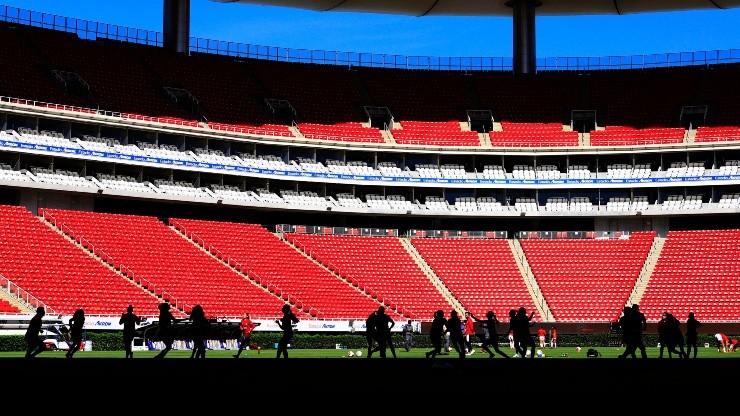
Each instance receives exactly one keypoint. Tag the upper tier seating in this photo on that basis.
(437, 133)
(629, 136)
(717, 134)
(343, 132)
(533, 135)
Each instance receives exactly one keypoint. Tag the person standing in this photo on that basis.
(640, 327)
(513, 340)
(664, 335)
(408, 335)
(129, 320)
(246, 325)
(286, 324)
(371, 335)
(198, 331)
(165, 333)
(692, 332)
(510, 336)
(34, 344)
(553, 337)
(469, 332)
(436, 333)
(490, 334)
(522, 323)
(542, 336)
(383, 325)
(454, 327)
(675, 341)
(76, 324)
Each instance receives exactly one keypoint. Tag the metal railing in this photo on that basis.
(94, 30)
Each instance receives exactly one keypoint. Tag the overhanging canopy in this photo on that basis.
(493, 7)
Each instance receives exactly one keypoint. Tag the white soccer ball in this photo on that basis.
(358, 353)
(540, 354)
(351, 354)
(578, 349)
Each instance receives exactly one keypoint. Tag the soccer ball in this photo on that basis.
(578, 349)
(540, 354)
(351, 354)
(358, 353)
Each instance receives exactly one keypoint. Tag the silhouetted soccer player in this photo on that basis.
(633, 324)
(76, 324)
(521, 324)
(286, 324)
(35, 344)
(165, 333)
(640, 327)
(371, 335)
(454, 327)
(490, 334)
(675, 339)
(518, 351)
(129, 320)
(436, 332)
(383, 326)
(692, 330)
(198, 331)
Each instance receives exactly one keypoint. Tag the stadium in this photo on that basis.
(337, 184)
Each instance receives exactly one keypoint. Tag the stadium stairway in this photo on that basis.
(436, 281)
(647, 271)
(530, 281)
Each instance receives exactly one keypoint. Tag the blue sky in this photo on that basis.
(579, 36)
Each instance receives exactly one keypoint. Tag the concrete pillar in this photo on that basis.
(525, 53)
(176, 25)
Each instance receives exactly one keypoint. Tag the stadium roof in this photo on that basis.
(493, 7)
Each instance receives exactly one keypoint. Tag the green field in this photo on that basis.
(563, 353)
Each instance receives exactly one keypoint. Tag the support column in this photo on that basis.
(176, 25)
(525, 53)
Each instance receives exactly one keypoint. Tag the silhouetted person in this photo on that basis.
(664, 334)
(371, 335)
(628, 334)
(286, 324)
(455, 328)
(383, 325)
(436, 332)
(198, 331)
(518, 351)
(633, 324)
(165, 333)
(129, 320)
(675, 339)
(76, 324)
(34, 343)
(692, 331)
(640, 327)
(490, 334)
(247, 325)
(522, 323)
